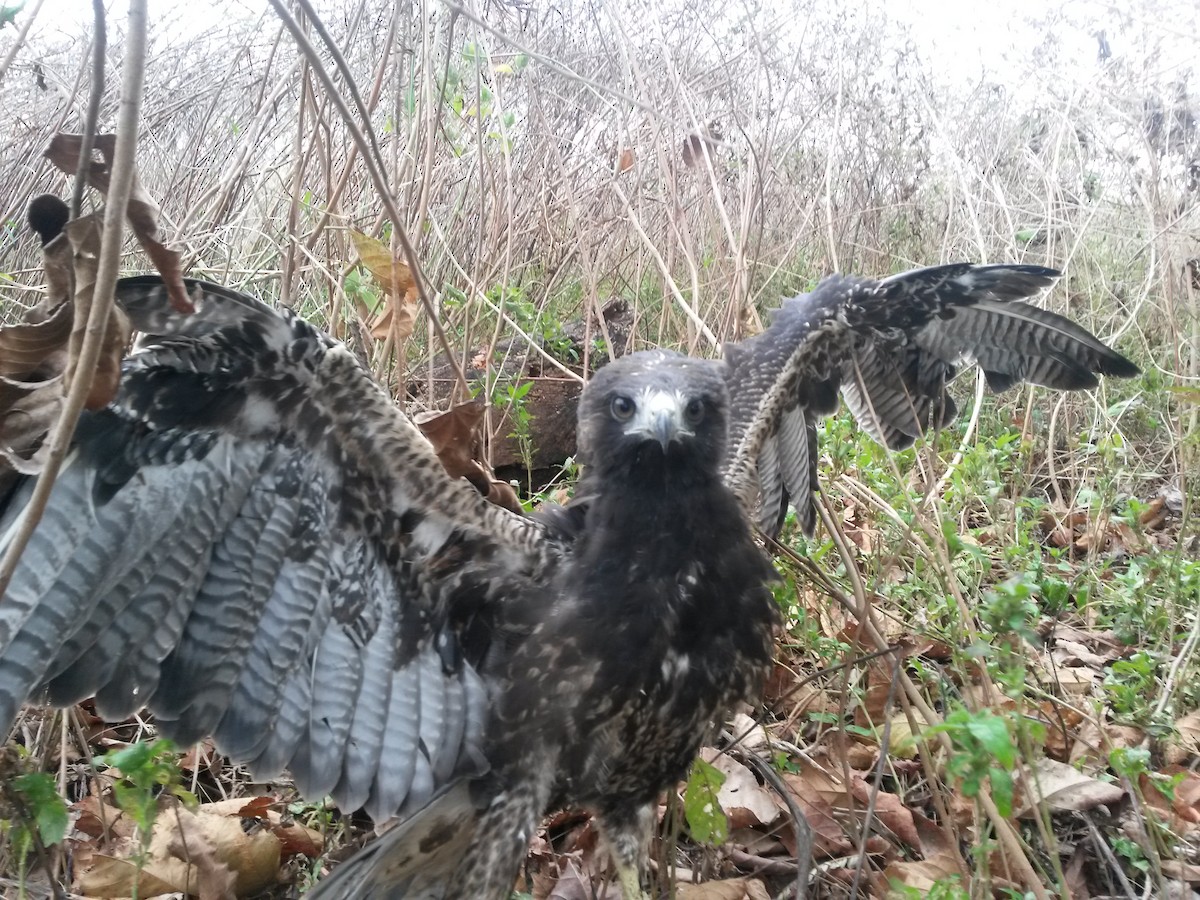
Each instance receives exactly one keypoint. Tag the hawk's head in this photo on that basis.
(651, 408)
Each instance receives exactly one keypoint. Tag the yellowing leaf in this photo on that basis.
(397, 314)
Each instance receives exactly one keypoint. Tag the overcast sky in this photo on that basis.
(964, 41)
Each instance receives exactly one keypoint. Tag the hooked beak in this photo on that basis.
(660, 418)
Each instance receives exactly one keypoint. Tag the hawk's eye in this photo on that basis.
(694, 411)
(622, 408)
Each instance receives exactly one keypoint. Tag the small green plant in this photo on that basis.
(1131, 686)
(706, 820)
(532, 321)
(1010, 608)
(147, 770)
(1132, 853)
(361, 288)
(513, 396)
(38, 816)
(984, 751)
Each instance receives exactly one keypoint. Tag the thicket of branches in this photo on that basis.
(698, 161)
(713, 157)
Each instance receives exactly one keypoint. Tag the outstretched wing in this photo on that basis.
(253, 542)
(890, 348)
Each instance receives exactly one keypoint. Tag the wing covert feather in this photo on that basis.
(890, 347)
(256, 543)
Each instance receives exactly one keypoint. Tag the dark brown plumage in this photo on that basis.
(255, 543)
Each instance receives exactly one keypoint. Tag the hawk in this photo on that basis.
(255, 543)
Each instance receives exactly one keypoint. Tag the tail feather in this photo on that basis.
(468, 841)
(415, 859)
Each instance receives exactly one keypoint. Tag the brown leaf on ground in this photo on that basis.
(112, 877)
(142, 212)
(901, 738)
(825, 800)
(1181, 871)
(749, 734)
(1061, 723)
(96, 818)
(933, 838)
(1077, 655)
(1187, 745)
(729, 889)
(1179, 807)
(747, 803)
(1094, 741)
(791, 697)
(210, 852)
(890, 810)
(1155, 514)
(1062, 788)
(398, 309)
(924, 874)
(574, 884)
(215, 880)
(203, 757)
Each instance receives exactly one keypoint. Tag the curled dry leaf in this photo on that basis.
(398, 311)
(457, 439)
(456, 436)
(34, 351)
(33, 355)
(214, 852)
(749, 734)
(84, 235)
(1178, 805)
(824, 800)
(142, 212)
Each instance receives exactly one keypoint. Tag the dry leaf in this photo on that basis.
(215, 880)
(84, 235)
(924, 874)
(110, 876)
(207, 852)
(1094, 741)
(821, 797)
(749, 734)
(901, 740)
(1188, 745)
(458, 442)
(1181, 871)
(142, 212)
(1063, 788)
(30, 348)
(398, 308)
(455, 435)
(729, 889)
(747, 803)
